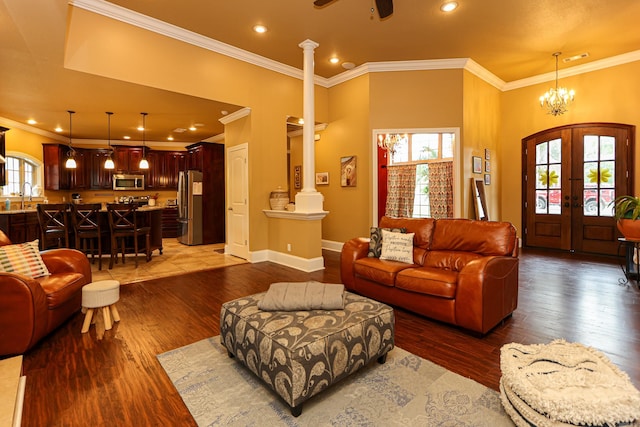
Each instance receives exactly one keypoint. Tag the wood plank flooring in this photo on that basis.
(114, 378)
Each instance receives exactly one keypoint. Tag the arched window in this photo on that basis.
(23, 173)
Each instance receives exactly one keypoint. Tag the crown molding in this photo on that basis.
(243, 112)
(127, 16)
(12, 124)
(600, 64)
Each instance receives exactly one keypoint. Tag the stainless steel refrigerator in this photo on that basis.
(190, 207)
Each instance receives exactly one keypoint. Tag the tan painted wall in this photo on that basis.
(481, 109)
(303, 236)
(609, 95)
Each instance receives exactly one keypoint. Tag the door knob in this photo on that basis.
(230, 208)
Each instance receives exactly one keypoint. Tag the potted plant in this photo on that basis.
(626, 210)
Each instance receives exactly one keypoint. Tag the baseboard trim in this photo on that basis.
(305, 264)
(331, 245)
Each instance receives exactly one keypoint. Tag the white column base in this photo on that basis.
(310, 201)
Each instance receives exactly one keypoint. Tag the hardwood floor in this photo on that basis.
(114, 378)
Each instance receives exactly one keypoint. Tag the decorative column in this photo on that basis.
(308, 200)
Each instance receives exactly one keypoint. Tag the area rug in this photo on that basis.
(406, 391)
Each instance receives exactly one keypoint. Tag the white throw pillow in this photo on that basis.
(23, 258)
(397, 246)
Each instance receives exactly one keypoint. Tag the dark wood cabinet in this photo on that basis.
(127, 159)
(210, 158)
(164, 168)
(100, 178)
(57, 176)
(170, 222)
(20, 227)
(3, 153)
(177, 162)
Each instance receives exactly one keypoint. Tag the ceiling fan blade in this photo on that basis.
(321, 3)
(385, 8)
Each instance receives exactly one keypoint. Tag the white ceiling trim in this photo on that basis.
(601, 64)
(127, 16)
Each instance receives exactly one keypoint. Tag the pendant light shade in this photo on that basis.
(109, 164)
(71, 161)
(144, 164)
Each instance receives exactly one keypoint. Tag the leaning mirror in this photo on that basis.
(480, 200)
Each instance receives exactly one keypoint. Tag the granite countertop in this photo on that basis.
(34, 210)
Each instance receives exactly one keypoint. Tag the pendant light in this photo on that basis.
(71, 161)
(108, 164)
(144, 164)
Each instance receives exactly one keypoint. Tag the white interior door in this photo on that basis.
(237, 207)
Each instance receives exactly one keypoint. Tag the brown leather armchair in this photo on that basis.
(32, 308)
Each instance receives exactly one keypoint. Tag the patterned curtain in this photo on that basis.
(441, 189)
(401, 185)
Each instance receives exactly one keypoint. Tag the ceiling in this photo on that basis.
(513, 40)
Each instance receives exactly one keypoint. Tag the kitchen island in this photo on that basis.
(22, 226)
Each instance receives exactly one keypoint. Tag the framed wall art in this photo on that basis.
(487, 166)
(487, 179)
(487, 154)
(322, 178)
(348, 172)
(476, 164)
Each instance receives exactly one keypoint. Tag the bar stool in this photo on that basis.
(53, 220)
(123, 223)
(86, 224)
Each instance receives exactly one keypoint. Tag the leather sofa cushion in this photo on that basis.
(449, 260)
(427, 280)
(61, 287)
(380, 271)
(471, 236)
(422, 227)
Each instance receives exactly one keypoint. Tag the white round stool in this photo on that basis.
(103, 294)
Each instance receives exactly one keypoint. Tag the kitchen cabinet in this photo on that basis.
(210, 159)
(3, 173)
(57, 176)
(20, 226)
(100, 178)
(170, 222)
(127, 159)
(164, 168)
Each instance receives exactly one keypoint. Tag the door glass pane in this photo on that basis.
(591, 148)
(606, 197)
(541, 201)
(554, 176)
(607, 174)
(555, 150)
(607, 148)
(590, 175)
(541, 173)
(555, 206)
(541, 153)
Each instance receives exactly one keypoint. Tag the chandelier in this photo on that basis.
(388, 142)
(556, 100)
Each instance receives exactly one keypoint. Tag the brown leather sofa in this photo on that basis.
(32, 308)
(464, 272)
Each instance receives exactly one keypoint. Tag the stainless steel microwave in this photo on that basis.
(128, 182)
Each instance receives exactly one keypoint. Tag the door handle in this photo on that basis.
(229, 208)
(567, 204)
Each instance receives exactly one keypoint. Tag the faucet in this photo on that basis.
(22, 194)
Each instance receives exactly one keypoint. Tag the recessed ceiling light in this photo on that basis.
(449, 6)
(140, 128)
(260, 29)
(348, 65)
(192, 128)
(58, 129)
(31, 122)
(334, 60)
(126, 137)
(169, 138)
(224, 112)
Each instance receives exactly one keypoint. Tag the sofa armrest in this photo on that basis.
(23, 313)
(487, 292)
(352, 250)
(67, 261)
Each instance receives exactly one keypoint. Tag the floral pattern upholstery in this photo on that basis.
(300, 353)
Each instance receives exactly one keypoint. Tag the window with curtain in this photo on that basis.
(420, 176)
(19, 171)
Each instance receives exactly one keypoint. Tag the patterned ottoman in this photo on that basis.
(300, 353)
